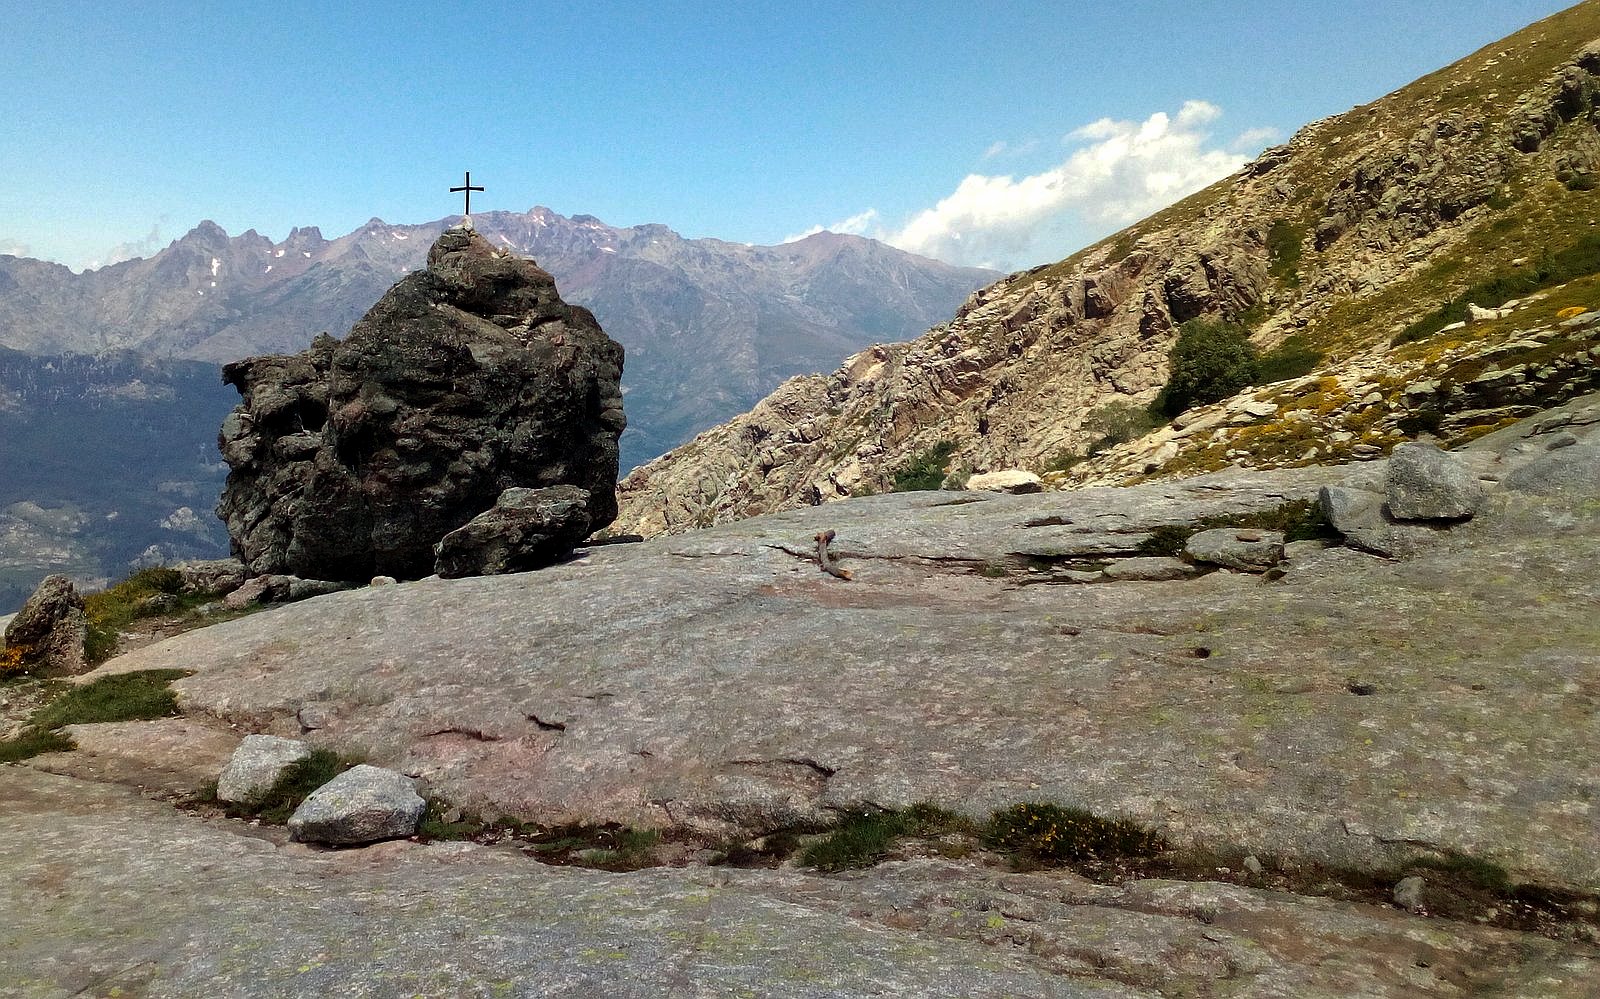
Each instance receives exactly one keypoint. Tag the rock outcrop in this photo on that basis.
(49, 631)
(469, 378)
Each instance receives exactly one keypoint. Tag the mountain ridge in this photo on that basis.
(710, 325)
(1358, 228)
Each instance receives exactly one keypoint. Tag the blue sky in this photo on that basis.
(1002, 133)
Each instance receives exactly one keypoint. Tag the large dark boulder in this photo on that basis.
(466, 379)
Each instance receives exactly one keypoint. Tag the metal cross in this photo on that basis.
(468, 188)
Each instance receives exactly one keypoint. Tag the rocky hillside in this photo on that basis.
(1362, 239)
(710, 326)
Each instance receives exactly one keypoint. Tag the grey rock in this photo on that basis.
(1425, 483)
(382, 581)
(1561, 440)
(1232, 548)
(466, 379)
(1016, 481)
(1148, 569)
(51, 627)
(1572, 471)
(256, 765)
(252, 591)
(525, 529)
(313, 717)
(1253, 865)
(219, 576)
(305, 589)
(362, 805)
(1408, 893)
(1361, 517)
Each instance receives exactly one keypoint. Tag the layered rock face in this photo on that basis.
(466, 379)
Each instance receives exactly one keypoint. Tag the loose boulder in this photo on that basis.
(1359, 515)
(471, 377)
(362, 805)
(1232, 548)
(1425, 483)
(256, 765)
(526, 529)
(1016, 481)
(51, 627)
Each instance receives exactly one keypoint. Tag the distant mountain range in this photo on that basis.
(110, 397)
(710, 326)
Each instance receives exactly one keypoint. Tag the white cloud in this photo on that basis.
(1117, 173)
(856, 225)
(147, 246)
(11, 247)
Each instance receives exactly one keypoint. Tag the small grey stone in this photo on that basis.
(1408, 893)
(313, 716)
(1151, 569)
(256, 765)
(1245, 551)
(1561, 440)
(1253, 865)
(362, 805)
(383, 581)
(1425, 483)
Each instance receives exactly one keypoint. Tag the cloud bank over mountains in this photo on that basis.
(1115, 173)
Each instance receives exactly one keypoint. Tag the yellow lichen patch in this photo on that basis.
(1571, 311)
(13, 659)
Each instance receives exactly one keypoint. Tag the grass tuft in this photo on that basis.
(279, 801)
(139, 696)
(862, 839)
(1045, 833)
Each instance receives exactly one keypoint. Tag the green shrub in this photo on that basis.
(33, 742)
(1211, 361)
(926, 470)
(1056, 834)
(1290, 359)
(1284, 242)
(119, 697)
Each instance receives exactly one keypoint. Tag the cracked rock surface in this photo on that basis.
(720, 681)
(107, 893)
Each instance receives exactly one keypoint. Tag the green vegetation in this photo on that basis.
(33, 742)
(137, 696)
(862, 839)
(1284, 243)
(1580, 259)
(1210, 362)
(1213, 359)
(926, 470)
(1044, 833)
(114, 608)
(278, 802)
(1292, 358)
